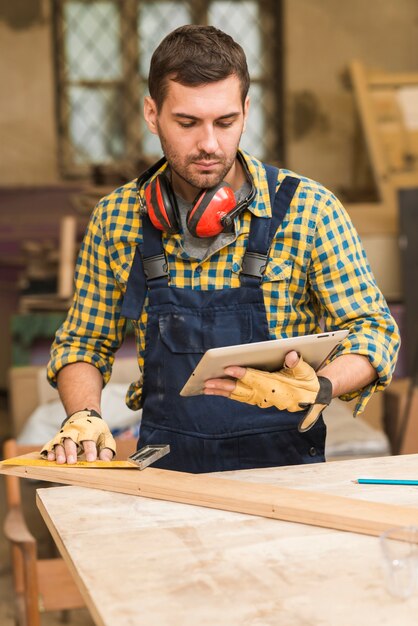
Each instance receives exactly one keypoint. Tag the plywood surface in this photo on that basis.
(140, 561)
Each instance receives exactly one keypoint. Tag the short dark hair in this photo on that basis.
(196, 55)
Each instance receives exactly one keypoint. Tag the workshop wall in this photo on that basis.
(321, 38)
(28, 146)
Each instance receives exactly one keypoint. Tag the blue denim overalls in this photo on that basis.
(211, 433)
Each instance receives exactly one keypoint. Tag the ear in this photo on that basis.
(150, 114)
(246, 110)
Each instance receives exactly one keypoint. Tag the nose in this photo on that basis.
(208, 141)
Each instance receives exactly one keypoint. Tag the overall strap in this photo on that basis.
(262, 230)
(149, 268)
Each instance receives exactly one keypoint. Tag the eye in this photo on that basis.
(225, 123)
(186, 124)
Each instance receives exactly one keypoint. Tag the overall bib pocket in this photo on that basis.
(186, 336)
(275, 286)
(197, 331)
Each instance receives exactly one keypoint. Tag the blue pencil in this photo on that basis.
(385, 481)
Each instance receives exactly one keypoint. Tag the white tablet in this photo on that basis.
(265, 355)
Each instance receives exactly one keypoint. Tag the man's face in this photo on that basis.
(200, 129)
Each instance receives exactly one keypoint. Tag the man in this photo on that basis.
(175, 252)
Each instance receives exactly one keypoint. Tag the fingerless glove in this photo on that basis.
(291, 389)
(86, 425)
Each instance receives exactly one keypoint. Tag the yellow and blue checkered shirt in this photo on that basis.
(317, 278)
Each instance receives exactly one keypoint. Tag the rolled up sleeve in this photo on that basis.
(94, 328)
(349, 298)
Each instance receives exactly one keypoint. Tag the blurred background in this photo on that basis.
(334, 97)
(74, 74)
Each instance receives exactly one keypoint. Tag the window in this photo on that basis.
(103, 52)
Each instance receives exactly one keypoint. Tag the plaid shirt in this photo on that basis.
(317, 278)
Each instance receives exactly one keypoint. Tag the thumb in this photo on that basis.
(291, 359)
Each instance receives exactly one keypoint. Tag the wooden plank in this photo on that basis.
(67, 256)
(371, 132)
(390, 141)
(263, 500)
(386, 79)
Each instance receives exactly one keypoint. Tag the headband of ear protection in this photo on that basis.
(213, 210)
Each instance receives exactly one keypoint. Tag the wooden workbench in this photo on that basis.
(143, 562)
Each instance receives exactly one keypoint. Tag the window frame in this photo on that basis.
(132, 84)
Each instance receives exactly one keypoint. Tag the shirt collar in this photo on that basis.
(260, 206)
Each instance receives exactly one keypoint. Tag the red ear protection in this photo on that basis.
(204, 218)
(212, 212)
(162, 205)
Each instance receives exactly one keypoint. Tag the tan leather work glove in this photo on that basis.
(291, 388)
(82, 426)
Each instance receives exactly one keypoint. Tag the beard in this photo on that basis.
(185, 166)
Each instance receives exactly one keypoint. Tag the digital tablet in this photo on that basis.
(264, 355)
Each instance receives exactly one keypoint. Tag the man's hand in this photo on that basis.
(84, 431)
(296, 386)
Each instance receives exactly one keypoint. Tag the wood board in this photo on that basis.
(263, 500)
(391, 138)
(185, 565)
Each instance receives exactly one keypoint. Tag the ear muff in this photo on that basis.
(204, 218)
(211, 206)
(213, 210)
(162, 205)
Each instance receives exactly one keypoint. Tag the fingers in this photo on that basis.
(90, 450)
(64, 454)
(219, 387)
(106, 454)
(224, 386)
(57, 453)
(235, 371)
(68, 452)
